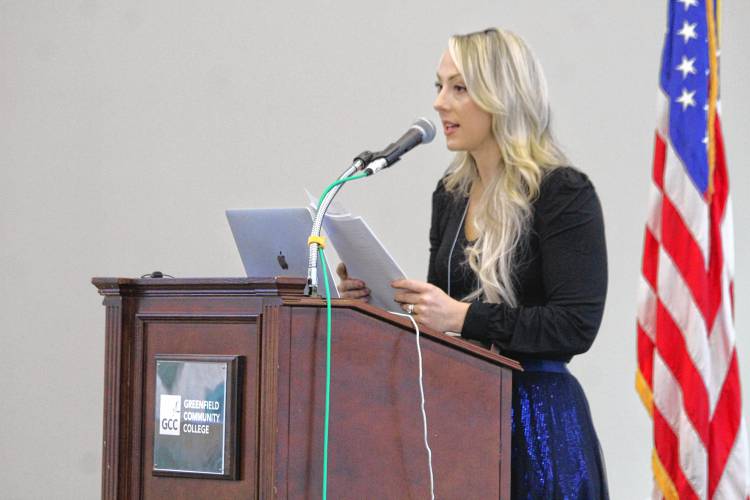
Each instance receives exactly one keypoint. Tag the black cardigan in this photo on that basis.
(560, 275)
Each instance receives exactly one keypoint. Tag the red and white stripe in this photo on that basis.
(688, 372)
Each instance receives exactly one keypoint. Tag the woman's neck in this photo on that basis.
(487, 161)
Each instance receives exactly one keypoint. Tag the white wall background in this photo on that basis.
(126, 129)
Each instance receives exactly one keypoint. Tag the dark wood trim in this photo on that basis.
(281, 285)
(506, 383)
(283, 397)
(393, 319)
(269, 378)
(119, 405)
(209, 318)
(138, 390)
(112, 384)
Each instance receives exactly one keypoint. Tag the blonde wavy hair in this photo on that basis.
(504, 79)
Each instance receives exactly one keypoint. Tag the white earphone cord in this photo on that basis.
(419, 356)
(424, 414)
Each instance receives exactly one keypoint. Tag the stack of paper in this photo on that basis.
(363, 253)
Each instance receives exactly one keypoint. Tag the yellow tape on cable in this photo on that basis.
(321, 241)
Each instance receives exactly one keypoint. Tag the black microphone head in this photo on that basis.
(426, 129)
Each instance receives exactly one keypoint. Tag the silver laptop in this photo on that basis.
(273, 242)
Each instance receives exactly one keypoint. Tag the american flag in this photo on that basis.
(688, 376)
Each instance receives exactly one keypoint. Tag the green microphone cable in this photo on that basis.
(328, 373)
(326, 419)
(340, 181)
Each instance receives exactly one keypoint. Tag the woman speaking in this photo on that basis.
(517, 256)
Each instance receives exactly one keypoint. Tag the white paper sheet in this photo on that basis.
(365, 256)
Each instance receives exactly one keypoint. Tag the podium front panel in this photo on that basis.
(202, 335)
(376, 446)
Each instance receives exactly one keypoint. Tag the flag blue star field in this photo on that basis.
(684, 70)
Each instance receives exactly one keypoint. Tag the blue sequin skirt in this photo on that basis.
(555, 452)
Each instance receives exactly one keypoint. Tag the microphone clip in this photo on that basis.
(365, 158)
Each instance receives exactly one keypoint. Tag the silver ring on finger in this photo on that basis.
(409, 308)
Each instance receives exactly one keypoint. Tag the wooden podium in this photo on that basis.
(376, 447)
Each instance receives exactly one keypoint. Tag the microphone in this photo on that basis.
(422, 131)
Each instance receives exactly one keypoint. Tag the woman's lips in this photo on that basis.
(449, 128)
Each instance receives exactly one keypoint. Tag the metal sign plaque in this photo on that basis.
(195, 416)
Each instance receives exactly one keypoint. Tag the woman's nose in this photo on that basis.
(439, 103)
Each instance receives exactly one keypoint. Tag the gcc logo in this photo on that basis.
(169, 414)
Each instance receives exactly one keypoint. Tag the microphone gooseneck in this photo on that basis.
(368, 163)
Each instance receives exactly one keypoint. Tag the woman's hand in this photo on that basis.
(351, 288)
(430, 306)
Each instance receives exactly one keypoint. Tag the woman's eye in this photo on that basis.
(438, 87)
(459, 88)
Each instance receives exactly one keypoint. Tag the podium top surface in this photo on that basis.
(280, 285)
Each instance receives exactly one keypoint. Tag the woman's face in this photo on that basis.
(467, 127)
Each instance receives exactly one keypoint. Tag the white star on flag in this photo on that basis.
(689, 3)
(688, 31)
(686, 99)
(687, 67)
